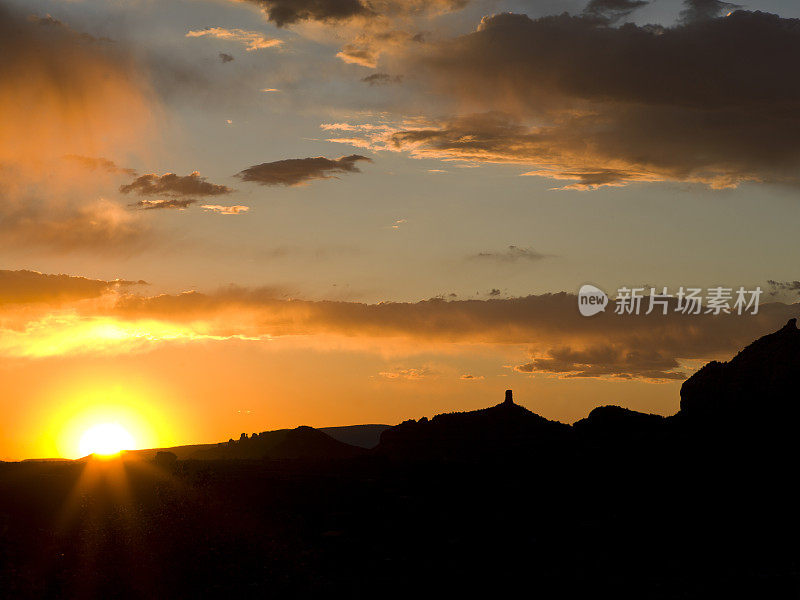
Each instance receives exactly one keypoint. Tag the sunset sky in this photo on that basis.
(230, 216)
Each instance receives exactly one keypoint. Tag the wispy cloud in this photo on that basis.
(225, 210)
(174, 203)
(411, 374)
(509, 255)
(99, 164)
(252, 40)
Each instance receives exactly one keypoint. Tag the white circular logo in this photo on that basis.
(591, 300)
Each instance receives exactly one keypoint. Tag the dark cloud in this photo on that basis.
(382, 79)
(174, 186)
(17, 287)
(509, 255)
(704, 10)
(295, 171)
(606, 360)
(612, 10)
(174, 191)
(706, 101)
(225, 58)
(370, 27)
(559, 339)
(780, 289)
(793, 286)
(287, 12)
(177, 203)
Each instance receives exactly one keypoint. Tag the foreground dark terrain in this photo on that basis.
(622, 504)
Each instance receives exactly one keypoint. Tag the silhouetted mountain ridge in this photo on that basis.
(359, 436)
(363, 436)
(755, 390)
(501, 429)
(759, 384)
(616, 421)
(300, 443)
(622, 505)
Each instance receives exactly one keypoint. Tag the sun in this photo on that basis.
(106, 439)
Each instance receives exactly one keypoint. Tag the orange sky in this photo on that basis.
(193, 367)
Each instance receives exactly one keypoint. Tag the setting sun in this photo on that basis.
(106, 439)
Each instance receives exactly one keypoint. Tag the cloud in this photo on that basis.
(350, 127)
(546, 329)
(253, 40)
(174, 186)
(783, 290)
(51, 22)
(225, 210)
(369, 28)
(468, 377)
(411, 374)
(705, 101)
(288, 12)
(87, 95)
(176, 203)
(704, 10)
(509, 255)
(382, 79)
(611, 11)
(175, 191)
(34, 287)
(69, 226)
(792, 286)
(355, 54)
(225, 58)
(500, 138)
(296, 171)
(367, 47)
(99, 164)
(66, 94)
(559, 340)
(606, 360)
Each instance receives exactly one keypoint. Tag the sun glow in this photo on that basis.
(106, 440)
(102, 412)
